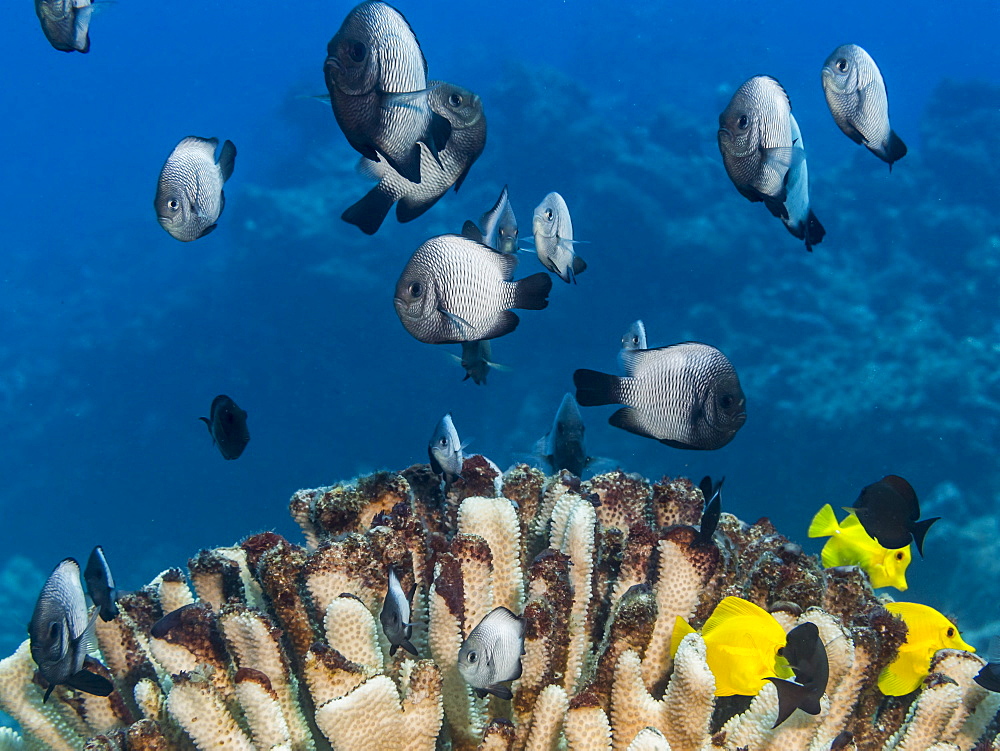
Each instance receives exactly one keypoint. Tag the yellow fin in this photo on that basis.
(891, 683)
(824, 523)
(681, 629)
(733, 607)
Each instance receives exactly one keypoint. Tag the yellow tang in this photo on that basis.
(927, 631)
(742, 642)
(850, 545)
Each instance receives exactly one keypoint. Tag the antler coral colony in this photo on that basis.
(279, 646)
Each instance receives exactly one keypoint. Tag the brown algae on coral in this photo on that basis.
(278, 646)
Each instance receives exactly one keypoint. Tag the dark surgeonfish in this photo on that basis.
(66, 23)
(395, 615)
(227, 424)
(454, 290)
(562, 447)
(989, 676)
(712, 493)
(686, 395)
(806, 655)
(465, 122)
(61, 634)
(189, 197)
(445, 450)
(499, 226)
(855, 93)
(477, 359)
(755, 138)
(491, 654)
(101, 584)
(553, 232)
(377, 78)
(801, 221)
(889, 512)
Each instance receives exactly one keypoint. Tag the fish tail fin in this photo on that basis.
(227, 160)
(814, 231)
(919, 530)
(681, 629)
(532, 292)
(791, 696)
(824, 524)
(369, 213)
(594, 388)
(894, 148)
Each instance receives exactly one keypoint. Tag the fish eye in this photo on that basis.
(444, 443)
(726, 401)
(472, 657)
(416, 289)
(357, 51)
(899, 555)
(743, 122)
(842, 65)
(950, 632)
(455, 100)
(548, 213)
(173, 204)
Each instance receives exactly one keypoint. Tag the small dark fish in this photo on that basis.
(101, 584)
(227, 424)
(491, 654)
(66, 23)
(454, 290)
(844, 739)
(395, 615)
(189, 197)
(553, 232)
(377, 78)
(463, 114)
(889, 510)
(445, 450)
(755, 138)
(806, 655)
(477, 359)
(712, 493)
(687, 395)
(562, 447)
(855, 93)
(499, 226)
(61, 634)
(801, 221)
(989, 676)
(634, 337)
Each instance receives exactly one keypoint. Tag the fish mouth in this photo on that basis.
(405, 311)
(334, 63)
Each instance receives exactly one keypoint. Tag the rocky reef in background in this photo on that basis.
(277, 646)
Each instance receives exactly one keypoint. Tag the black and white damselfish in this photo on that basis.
(455, 290)
(227, 424)
(101, 584)
(444, 450)
(61, 635)
(66, 23)
(189, 197)
(855, 93)
(686, 395)
(562, 447)
(395, 615)
(491, 655)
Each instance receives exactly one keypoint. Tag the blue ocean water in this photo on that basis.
(876, 353)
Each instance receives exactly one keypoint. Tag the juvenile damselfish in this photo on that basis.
(454, 290)
(466, 126)
(851, 545)
(686, 395)
(499, 225)
(377, 78)
(634, 337)
(445, 450)
(395, 615)
(855, 93)
(553, 232)
(227, 424)
(101, 584)
(801, 221)
(562, 447)
(477, 359)
(66, 23)
(491, 654)
(189, 197)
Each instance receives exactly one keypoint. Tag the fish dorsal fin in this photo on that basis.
(471, 231)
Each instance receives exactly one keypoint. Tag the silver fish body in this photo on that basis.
(491, 653)
(227, 424)
(377, 78)
(445, 450)
(462, 112)
(395, 615)
(101, 584)
(61, 634)
(66, 23)
(499, 225)
(189, 197)
(855, 93)
(801, 221)
(634, 336)
(454, 290)
(552, 228)
(755, 138)
(563, 445)
(686, 396)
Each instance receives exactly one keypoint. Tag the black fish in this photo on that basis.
(227, 424)
(806, 655)
(66, 23)
(989, 676)
(189, 196)
(377, 78)
(889, 510)
(61, 634)
(463, 113)
(562, 447)
(395, 615)
(171, 620)
(687, 395)
(855, 93)
(712, 493)
(455, 290)
(101, 584)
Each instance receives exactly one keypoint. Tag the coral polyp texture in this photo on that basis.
(278, 646)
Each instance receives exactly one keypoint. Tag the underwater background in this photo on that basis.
(877, 353)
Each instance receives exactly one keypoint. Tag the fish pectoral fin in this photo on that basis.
(90, 683)
(405, 644)
(783, 158)
(502, 691)
(457, 321)
(207, 230)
